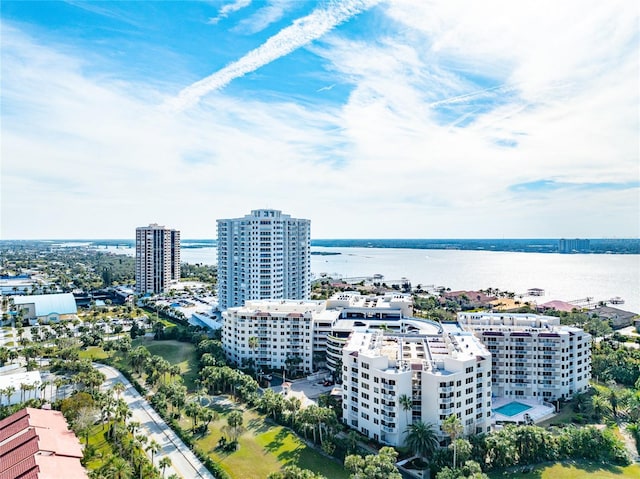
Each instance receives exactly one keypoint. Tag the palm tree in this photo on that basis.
(9, 392)
(23, 388)
(154, 447)
(453, 428)
(293, 405)
(421, 438)
(254, 343)
(174, 370)
(600, 406)
(406, 403)
(164, 463)
(142, 439)
(234, 421)
(119, 469)
(192, 410)
(118, 388)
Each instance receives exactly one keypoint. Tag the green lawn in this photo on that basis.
(102, 447)
(265, 448)
(94, 353)
(575, 470)
(176, 352)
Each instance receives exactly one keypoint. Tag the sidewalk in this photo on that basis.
(184, 462)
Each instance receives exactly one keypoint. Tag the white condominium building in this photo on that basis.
(157, 258)
(286, 331)
(533, 356)
(356, 310)
(265, 255)
(290, 328)
(392, 379)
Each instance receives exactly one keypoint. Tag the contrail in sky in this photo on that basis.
(303, 31)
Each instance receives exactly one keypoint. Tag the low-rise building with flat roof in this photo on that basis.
(47, 308)
(17, 387)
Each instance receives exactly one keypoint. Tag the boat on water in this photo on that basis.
(616, 300)
(535, 292)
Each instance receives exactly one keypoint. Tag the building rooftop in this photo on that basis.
(45, 304)
(15, 380)
(417, 350)
(36, 443)
(268, 306)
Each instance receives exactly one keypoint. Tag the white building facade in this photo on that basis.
(442, 374)
(157, 258)
(534, 357)
(264, 255)
(285, 331)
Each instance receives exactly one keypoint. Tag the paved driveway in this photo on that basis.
(183, 462)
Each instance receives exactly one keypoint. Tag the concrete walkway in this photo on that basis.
(184, 463)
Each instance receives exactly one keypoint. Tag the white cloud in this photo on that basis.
(228, 9)
(303, 31)
(272, 12)
(82, 153)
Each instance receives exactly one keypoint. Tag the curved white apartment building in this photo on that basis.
(284, 329)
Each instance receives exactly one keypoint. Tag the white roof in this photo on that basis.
(15, 380)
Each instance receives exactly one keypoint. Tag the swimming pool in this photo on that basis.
(512, 408)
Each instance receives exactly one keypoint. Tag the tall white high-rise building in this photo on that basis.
(265, 255)
(157, 258)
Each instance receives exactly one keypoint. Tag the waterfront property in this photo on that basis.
(264, 255)
(380, 353)
(157, 258)
(305, 332)
(285, 332)
(393, 379)
(534, 357)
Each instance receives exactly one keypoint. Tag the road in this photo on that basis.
(183, 462)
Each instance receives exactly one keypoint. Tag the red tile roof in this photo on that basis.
(37, 444)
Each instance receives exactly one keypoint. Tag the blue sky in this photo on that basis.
(411, 118)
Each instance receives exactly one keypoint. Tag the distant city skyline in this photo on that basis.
(373, 119)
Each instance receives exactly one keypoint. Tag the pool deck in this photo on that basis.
(539, 411)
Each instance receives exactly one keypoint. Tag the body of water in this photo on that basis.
(564, 277)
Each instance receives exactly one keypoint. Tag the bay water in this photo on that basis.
(565, 277)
